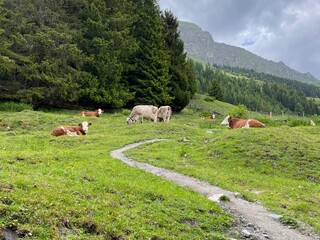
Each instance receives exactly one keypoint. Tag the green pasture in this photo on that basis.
(70, 188)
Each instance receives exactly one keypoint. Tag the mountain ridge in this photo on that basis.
(200, 45)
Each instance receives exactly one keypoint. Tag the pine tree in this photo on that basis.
(215, 90)
(149, 80)
(42, 47)
(107, 41)
(182, 80)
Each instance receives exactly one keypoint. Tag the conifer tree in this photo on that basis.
(42, 47)
(182, 80)
(149, 80)
(107, 41)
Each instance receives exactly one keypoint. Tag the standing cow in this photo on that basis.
(141, 112)
(81, 129)
(163, 114)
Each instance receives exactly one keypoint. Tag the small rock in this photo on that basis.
(250, 225)
(184, 140)
(275, 216)
(246, 233)
(237, 195)
(215, 198)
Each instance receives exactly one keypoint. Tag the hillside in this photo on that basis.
(71, 188)
(200, 45)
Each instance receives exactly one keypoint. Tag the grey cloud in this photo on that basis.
(282, 30)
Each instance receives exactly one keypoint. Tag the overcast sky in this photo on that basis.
(277, 30)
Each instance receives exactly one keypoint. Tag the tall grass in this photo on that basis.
(14, 107)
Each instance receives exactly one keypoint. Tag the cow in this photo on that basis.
(212, 116)
(141, 112)
(244, 123)
(81, 129)
(225, 121)
(96, 113)
(163, 114)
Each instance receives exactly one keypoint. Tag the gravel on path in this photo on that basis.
(252, 220)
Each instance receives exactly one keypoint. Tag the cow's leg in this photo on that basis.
(247, 125)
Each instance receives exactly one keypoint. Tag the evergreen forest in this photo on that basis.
(94, 53)
(258, 91)
(119, 53)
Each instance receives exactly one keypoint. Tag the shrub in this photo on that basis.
(298, 122)
(288, 221)
(14, 107)
(224, 198)
(209, 99)
(239, 111)
(126, 112)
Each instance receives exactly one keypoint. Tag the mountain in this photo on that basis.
(201, 46)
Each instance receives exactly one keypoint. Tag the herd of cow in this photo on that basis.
(149, 112)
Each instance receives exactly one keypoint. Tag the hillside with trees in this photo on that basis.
(117, 54)
(110, 54)
(258, 91)
(201, 46)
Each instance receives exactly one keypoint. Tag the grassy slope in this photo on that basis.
(278, 166)
(71, 187)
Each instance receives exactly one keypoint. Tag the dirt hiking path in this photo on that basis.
(252, 221)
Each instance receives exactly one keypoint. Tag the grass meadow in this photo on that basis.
(70, 188)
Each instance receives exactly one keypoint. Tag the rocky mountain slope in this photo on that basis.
(201, 46)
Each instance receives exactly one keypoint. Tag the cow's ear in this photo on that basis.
(80, 124)
(89, 124)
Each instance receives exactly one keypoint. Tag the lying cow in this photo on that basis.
(225, 121)
(209, 117)
(163, 114)
(141, 112)
(244, 123)
(96, 113)
(81, 129)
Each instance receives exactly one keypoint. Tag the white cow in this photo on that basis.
(141, 112)
(163, 114)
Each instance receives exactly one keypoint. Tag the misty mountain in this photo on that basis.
(201, 46)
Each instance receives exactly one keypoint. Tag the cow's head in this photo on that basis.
(225, 121)
(130, 121)
(99, 112)
(85, 126)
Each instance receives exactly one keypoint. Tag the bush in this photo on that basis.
(298, 122)
(290, 222)
(14, 107)
(209, 99)
(239, 111)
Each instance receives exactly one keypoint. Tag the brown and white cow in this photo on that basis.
(244, 123)
(81, 129)
(212, 116)
(141, 112)
(96, 113)
(225, 121)
(163, 114)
